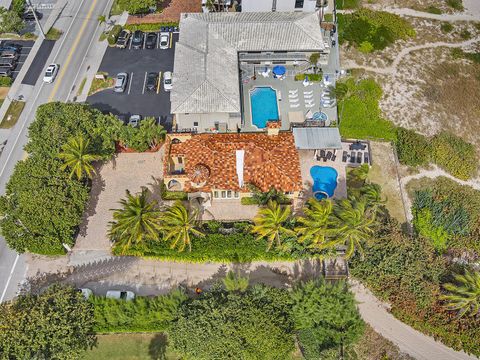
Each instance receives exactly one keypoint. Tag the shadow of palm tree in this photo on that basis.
(158, 347)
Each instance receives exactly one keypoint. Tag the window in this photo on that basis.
(195, 123)
(298, 4)
(236, 194)
(180, 160)
(224, 194)
(215, 194)
(229, 194)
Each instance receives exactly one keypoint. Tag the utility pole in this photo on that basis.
(29, 3)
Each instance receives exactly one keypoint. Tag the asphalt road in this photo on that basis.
(79, 23)
(136, 100)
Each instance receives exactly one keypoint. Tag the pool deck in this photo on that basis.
(289, 108)
(307, 161)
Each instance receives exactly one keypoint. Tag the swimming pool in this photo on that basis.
(263, 101)
(324, 181)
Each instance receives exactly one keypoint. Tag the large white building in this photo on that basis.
(278, 5)
(214, 52)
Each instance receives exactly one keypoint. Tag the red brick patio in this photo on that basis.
(171, 12)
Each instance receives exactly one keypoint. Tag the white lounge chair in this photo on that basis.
(310, 105)
(293, 100)
(293, 92)
(290, 96)
(309, 101)
(294, 105)
(308, 92)
(308, 96)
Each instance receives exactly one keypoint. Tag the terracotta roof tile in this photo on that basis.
(270, 161)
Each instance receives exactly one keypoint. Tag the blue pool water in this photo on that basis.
(324, 181)
(264, 106)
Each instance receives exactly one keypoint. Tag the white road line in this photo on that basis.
(130, 83)
(158, 40)
(86, 53)
(9, 278)
(130, 44)
(144, 83)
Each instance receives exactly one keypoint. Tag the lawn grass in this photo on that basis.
(99, 84)
(115, 10)
(131, 347)
(12, 114)
(53, 34)
(359, 113)
(348, 4)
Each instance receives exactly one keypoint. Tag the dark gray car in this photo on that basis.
(137, 39)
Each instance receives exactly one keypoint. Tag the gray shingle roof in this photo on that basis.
(312, 138)
(205, 74)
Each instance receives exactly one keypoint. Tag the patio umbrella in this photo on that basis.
(279, 70)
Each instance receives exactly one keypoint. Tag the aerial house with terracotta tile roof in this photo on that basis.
(221, 166)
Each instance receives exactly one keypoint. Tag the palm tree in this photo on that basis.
(464, 296)
(354, 226)
(137, 221)
(235, 282)
(316, 225)
(372, 193)
(152, 133)
(269, 223)
(78, 157)
(179, 225)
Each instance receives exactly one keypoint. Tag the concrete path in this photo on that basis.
(409, 340)
(425, 15)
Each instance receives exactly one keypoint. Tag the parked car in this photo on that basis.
(137, 39)
(85, 292)
(5, 72)
(120, 82)
(7, 45)
(9, 54)
(134, 120)
(8, 63)
(123, 38)
(152, 81)
(51, 73)
(29, 15)
(167, 81)
(151, 41)
(121, 295)
(164, 40)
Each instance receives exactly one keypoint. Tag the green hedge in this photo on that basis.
(248, 200)
(212, 247)
(113, 34)
(140, 315)
(149, 27)
(171, 195)
(311, 77)
(455, 155)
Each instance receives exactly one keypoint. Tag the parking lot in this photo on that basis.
(26, 47)
(136, 100)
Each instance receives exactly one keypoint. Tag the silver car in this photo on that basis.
(121, 82)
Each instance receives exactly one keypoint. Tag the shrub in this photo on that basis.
(366, 47)
(171, 195)
(433, 10)
(359, 113)
(248, 200)
(412, 148)
(18, 6)
(225, 325)
(113, 34)
(139, 315)
(446, 27)
(465, 34)
(348, 4)
(455, 4)
(53, 34)
(455, 155)
(311, 77)
(379, 28)
(149, 26)
(136, 6)
(5, 81)
(212, 247)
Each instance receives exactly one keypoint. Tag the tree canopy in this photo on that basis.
(57, 324)
(227, 325)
